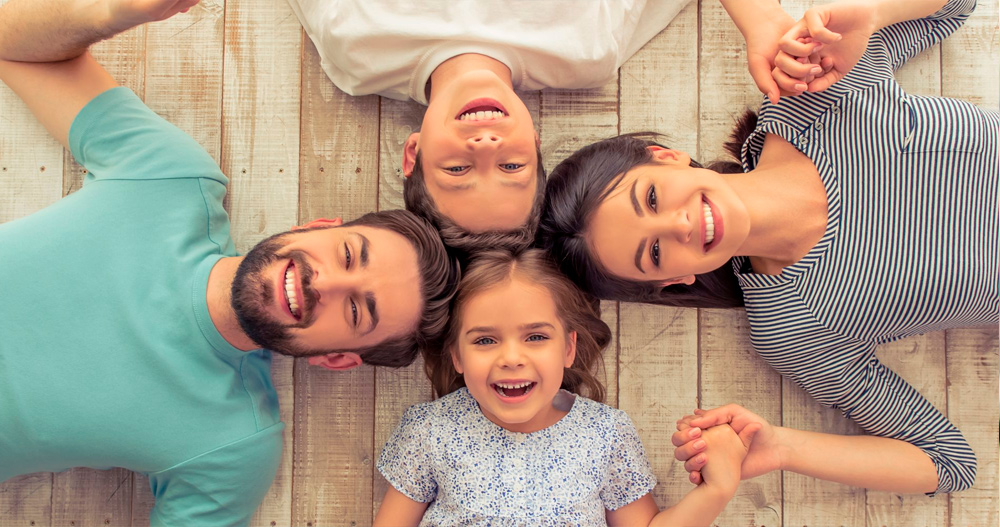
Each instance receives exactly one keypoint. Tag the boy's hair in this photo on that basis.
(439, 275)
(420, 202)
(577, 311)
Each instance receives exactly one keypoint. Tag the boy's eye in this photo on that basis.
(457, 170)
(354, 313)
(654, 253)
(347, 256)
(537, 338)
(484, 341)
(651, 198)
(511, 167)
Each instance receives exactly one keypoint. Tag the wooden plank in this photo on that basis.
(84, 496)
(260, 154)
(26, 501)
(970, 58)
(972, 406)
(921, 361)
(333, 447)
(658, 346)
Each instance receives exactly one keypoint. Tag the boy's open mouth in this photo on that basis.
(518, 389)
(482, 110)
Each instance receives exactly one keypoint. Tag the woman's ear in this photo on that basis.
(666, 155)
(455, 361)
(410, 153)
(686, 280)
(570, 348)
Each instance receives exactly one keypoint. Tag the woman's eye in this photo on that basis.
(537, 338)
(510, 167)
(651, 198)
(484, 341)
(354, 313)
(347, 256)
(654, 253)
(456, 170)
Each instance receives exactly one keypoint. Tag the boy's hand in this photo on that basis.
(763, 454)
(126, 14)
(728, 451)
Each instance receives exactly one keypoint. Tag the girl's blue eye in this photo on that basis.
(484, 341)
(537, 338)
(512, 166)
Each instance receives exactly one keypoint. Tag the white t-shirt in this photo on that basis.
(391, 47)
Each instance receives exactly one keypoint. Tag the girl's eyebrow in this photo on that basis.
(490, 329)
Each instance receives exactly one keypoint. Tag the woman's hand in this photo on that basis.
(762, 38)
(832, 36)
(761, 439)
(126, 14)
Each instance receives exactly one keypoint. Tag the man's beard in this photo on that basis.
(252, 292)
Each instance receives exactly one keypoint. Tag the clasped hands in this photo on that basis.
(788, 58)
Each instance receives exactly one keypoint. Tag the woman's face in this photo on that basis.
(667, 221)
(512, 350)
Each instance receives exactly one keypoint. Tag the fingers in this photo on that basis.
(713, 417)
(696, 463)
(760, 70)
(825, 81)
(816, 20)
(799, 68)
(690, 451)
(748, 433)
(684, 436)
(695, 477)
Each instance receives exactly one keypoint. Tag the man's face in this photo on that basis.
(328, 289)
(478, 148)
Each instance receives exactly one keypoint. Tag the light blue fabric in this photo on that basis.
(108, 357)
(475, 472)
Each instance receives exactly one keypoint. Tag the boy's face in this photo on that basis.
(478, 148)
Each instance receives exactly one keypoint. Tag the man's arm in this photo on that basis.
(43, 46)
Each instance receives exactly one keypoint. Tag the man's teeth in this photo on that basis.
(481, 116)
(709, 223)
(290, 291)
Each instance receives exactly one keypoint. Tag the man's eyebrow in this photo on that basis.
(635, 201)
(372, 312)
(638, 255)
(364, 249)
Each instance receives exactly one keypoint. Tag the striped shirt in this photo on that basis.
(910, 243)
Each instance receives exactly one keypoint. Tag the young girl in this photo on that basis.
(513, 440)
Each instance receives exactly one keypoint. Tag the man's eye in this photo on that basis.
(654, 253)
(354, 313)
(511, 167)
(457, 170)
(484, 341)
(537, 338)
(347, 256)
(651, 198)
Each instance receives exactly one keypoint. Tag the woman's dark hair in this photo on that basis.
(576, 310)
(579, 184)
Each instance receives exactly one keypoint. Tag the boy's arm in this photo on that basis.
(43, 56)
(397, 510)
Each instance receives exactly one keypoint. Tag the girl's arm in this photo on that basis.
(397, 510)
(876, 463)
(706, 501)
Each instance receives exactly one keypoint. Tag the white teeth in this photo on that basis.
(290, 292)
(709, 223)
(514, 386)
(481, 116)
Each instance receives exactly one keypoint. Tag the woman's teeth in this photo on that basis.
(709, 223)
(481, 116)
(290, 292)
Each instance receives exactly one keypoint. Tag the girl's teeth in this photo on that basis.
(709, 223)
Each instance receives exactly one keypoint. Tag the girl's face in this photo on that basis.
(667, 221)
(512, 350)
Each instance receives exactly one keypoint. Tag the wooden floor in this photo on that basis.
(242, 80)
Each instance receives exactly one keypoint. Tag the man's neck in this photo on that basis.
(454, 67)
(220, 283)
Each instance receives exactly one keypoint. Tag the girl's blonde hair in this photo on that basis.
(576, 310)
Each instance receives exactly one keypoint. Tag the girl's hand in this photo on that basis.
(832, 36)
(764, 451)
(126, 14)
(728, 451)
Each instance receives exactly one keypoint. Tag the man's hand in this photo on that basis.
(126, 14)
(832, 36)
(761, 438)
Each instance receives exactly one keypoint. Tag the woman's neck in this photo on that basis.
(787, 204)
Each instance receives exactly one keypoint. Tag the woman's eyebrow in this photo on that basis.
(638, 255)
(635, 200)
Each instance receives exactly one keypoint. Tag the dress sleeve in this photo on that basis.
(220, 488)
(116, 136)
(901, 42)
(630, 476)
(406, 460)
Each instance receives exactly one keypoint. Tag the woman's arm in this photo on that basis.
(397, 510)
(762, 23)
(876, 463)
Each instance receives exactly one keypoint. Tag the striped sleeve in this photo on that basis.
(901, 42)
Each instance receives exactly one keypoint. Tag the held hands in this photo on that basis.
(823, 46)
(761, 440)
(728, 451)
(126, 14)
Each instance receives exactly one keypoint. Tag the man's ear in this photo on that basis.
(410, 153)
(455, 362)
(686, 280)
(337, 361)
(320, 222)
(666, 155)
(570, 349)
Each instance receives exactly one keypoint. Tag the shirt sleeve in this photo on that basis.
(630, 476)
(901, 42)
(116, 136)
(221, 488)
(406, 461)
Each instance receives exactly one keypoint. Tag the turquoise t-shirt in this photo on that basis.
(108, 357)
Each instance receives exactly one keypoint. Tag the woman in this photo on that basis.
(865, 215)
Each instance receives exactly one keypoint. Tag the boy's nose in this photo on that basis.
(484, 140)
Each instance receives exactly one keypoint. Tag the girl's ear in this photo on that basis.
(666, 155)
(570, 349)
(455, 360)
